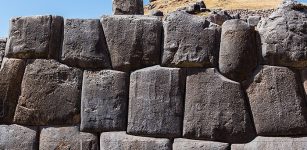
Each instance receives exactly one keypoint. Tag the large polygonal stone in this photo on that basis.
(15, 137)
(190, 41)
(104, 101)
(35, 37)
(123, 141)
(187, 144)
(134, 41)
(238, 51)
(215, 108)
(156, 102)
(2, 49)
(277, 102)
(11, 74)
(67, 138)
(84, 44)
(284, 36)
(50, 94)
(128, 7)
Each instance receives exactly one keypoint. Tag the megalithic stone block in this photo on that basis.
(11, 74)
(104, 102)
(67, 138)
(123, 141)
(215, 108)
(2, 49)
(134, 41)
(36, 37)
(277, 102)
(128, 7)
(84, 44)
(188, 144)
(50, 94)
(238, 51)
(156, 102)
(190, 41)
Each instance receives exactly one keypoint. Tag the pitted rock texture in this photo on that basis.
(253, 20)
(50, 94)
(277, 102)
(35, 37)
(187, 144)
(104, 101)
(66, 138)
(128, 7)
(215, 108)
(15, 137)
(238, 50)
(284, 36)
(2, 49)
(219, 17)
(84, 44)
(134, 41)
(11, 74)
(123, 141)
(190, 41)
(156, 102)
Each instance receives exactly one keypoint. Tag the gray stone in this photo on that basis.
(134, 41)
(253, 20)
(50, 94)
(284, 36)
(123, 141)
(215, 108)
(276, 143)
(190, 41)
(84, 44)
(304, 79)
(11, 74)
(104, 101)
(67, 138)
(156, 13)
(35, 37)
(156, 102)
(187, 144)
(128, 7)
(219, 17)
(2, 49)
(16, 137)
(238, 51)
(277, 102)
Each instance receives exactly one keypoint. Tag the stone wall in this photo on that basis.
(136, 82)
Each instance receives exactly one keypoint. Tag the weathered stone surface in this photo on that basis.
(187, 144)
(215, 108)
(219, 17)
(156, 102)
(15, 137)
(190, 41)
(304, 79)
(67, 138)
(238, 51)
(284, 36)
(104, 101)
(50, 94)
(277, 102)
(11, 74)
(276, 143)
(253, 20)
(84, 44)
(123, 141)
(130, 7)
(35, 37)
(2, 49)
(134, 41)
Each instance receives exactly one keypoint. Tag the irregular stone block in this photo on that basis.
(11, 75)
(219, 17)
(284, 36)
(238, 51)
(187, 144)
(253, 20)
(50, 94)
(35, 37)
(277, 143)
(277, 102)
(2, 49)
(215, 108)
(84, 44)
(134, 41)
(123, 141)
(131, 7)
(14, 137)
(104, 101)
(190, 41)
(156, 102)
(66, 138)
